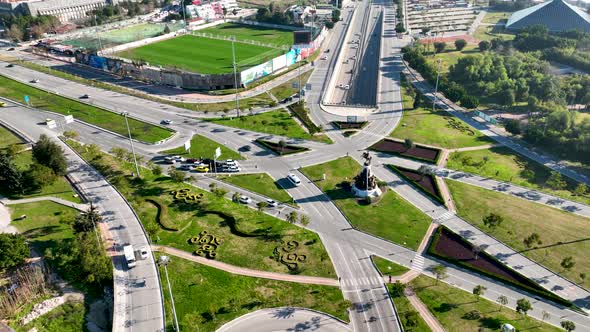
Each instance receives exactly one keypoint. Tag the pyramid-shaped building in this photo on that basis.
(556, 15)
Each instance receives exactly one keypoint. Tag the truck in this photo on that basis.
(129, 255)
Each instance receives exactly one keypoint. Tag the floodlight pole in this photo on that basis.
(165, 263)
(233, 52)
(436, 85)
(124, 114)
(300, 88)
(97, 35)
(184, 14)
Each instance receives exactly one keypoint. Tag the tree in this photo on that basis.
(304, 219)
(581, 189)
(120, 153)
(411, 318)
(568, 325)
(567, 263)
(408, 143)
(399, 28)
(335, 15)
(14, 251)
(545, 316)
(15, 33)
(282, 145)
(523, 306)
(440, 271)
(235, 197)
(582, 276)
(512, 126)
(506, 97)
(157, 170)
(10, 176)
(261, 206)
(86, 221)
(460, 44)
(48, 153)
(439, 47)
(397, 289)
(532, 239)
(477, 249)
(417, 101)
(492, 220)
(219, 192)
(484, 45)
(292, 217)
(175, 174)
(70, 134)
(556, 181)
(39, 176)
(329, 24)
(503, 300)
(469, 102)
(424, 170)
(478, 291)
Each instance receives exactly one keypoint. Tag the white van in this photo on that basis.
(294, 179)
(129, 256)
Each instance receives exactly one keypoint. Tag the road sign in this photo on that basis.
(295, 85)
(187, 145)
(308, 86)
(69, 118)
(27, 99)
(217, 152)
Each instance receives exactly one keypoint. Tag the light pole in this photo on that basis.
(184, 14)
(124, 114)
(436, 85)
(164, 261)
(233, 52)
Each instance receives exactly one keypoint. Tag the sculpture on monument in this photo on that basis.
(365, 183)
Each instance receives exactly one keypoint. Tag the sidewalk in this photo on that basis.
(77, 206)
(245, 271)
(430, 320)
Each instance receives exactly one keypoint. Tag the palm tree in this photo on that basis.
(304, 220)
(440, 271)
(282, 145)
(236, 196)
(503, 300)
(478, 291)
(292, 217)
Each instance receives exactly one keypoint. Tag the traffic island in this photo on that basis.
(280, 148)
(412, 151)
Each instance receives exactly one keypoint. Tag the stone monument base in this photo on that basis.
(366, 193)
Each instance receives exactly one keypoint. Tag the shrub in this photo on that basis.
(162, 216)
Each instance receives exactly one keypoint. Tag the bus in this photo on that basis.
(129, 256)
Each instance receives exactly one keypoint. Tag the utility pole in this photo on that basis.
(184, 14)
(97, 35)
(124, 114)
(233, 52)
(436, 85)
(300, 87)
(164, 261)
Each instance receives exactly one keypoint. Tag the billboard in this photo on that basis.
(279, 62)
(302, 37)
(256, 72)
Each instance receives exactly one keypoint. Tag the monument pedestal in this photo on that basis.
(376, 192)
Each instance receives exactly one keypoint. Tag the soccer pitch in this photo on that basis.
(201, 55)
(252, 32)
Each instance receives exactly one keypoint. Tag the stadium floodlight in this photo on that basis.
(235, 65)
(125, 114)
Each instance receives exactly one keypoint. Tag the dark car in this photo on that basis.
(11, 49)
(327, 51)
(10, 65)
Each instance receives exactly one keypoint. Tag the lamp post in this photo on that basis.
(436, 85)
(235, 65)
(164, 260)
(125, 114)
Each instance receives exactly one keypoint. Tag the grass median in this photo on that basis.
(208, 298)
(202, 147)
(260, 183)
(141, 131)
(391, 217)
(277, 122)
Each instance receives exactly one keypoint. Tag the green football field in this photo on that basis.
(251, 32)
(202, 55)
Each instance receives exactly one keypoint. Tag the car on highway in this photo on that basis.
(35, 81)
(294, 179)
(231, 162)
(166, 122)
(2, 104)
(186, 167)
(245, 199)
(324, 57)
(85, 96)
(11, 49)
(202, 169)
(346, 87)
(341, 85)
(10, 65)
(143, 252)
(271, 203)
(327, 51)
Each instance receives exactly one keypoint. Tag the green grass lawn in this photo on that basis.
(260, 183)
(562, 233)
(202, 55)
(93, 115)
(504, 165)
(403, 307)
(7, 138)
(203, 147)
(249, 242)
(68, 317)
(46, 224)
(286, 89)
(209, 298)
(450, 57)
(388, 268)
(60, 188)
(434, 128)
(489, 32)
(391, 217)
(496, 17)
(277, 122)
(449, 305)
(407, 99)
(251, 32)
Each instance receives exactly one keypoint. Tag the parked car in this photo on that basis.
(202, 169)
(346, 87)
(272, 203)
(186, 167)
(232, 169)
(231, 162)
(143, 252)
(245, 200)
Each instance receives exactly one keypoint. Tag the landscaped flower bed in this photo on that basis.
(349, 125)
(276, 147)
(417, 151)
(453, 248)
(424, 182)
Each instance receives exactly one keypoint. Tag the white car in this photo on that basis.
(231, 162)
(272, 203)
(341, 86)
(346, 87)
(294, 179)
(245, 200)
(35, 81)
(324, 57)
(143, 252)
(166, 122)
(232, 169)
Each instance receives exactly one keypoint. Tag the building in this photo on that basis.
(556, 15)
(64, 10)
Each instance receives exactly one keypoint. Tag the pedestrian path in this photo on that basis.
(77, 206)
(418, 263)
(430, 320)
(245, 271)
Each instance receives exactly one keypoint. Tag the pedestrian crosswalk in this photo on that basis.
(445, 216)
(418, 263)
(361, 282)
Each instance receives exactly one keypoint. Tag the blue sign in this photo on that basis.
(27, 99)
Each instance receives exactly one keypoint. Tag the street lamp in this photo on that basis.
(164, 260)
(233, 52)
(125, 114)
(436, 85)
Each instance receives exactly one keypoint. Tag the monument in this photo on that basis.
(365, 183)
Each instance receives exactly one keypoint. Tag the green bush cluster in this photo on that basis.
(162, 216)
(460, 126)
(286, 255)
(207, 243)
(437, 197)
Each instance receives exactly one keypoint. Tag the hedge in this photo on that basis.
(162, 216)
(274, 147)
(437, 198)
